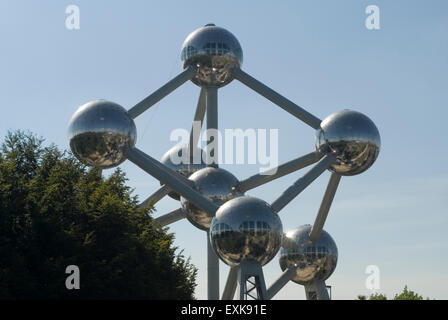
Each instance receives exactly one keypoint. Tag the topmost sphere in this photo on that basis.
(215, 52)
(353, 138)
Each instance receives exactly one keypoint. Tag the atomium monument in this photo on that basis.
(244, 232)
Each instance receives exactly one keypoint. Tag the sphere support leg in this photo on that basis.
(211, 101)
(251, 281)
(212, 272)
(212, 126)
(316, 290)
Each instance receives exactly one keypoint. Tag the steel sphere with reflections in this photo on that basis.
(216, 184)
(178, 159)
(246, 229)
(311, 260)
(215, 52)
(353, 138)
(98, 132)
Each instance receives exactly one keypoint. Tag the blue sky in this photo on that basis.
(318, 54)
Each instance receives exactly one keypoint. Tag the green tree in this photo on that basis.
(378, 296)
(407, 295)
(375, 296)
(404, 295)
(54, 212)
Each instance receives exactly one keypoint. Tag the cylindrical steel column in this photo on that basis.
(212, 272)
(212, 126)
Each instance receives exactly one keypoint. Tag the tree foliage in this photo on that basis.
(54, 212)
(408, 295)
(404, 295)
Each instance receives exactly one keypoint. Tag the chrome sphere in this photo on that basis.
(178, 159)
(246, 228)
(311, 260)
(215, 52)
(216, 184)
(98, 132)
(353, 138)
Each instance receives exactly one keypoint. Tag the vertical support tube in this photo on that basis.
(251, 281)
(212, 126)
(316, 290)
(197, 124)
(212, 272)
(211, 101)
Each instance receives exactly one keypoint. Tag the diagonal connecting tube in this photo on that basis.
(169, 217)
(162, 92)
(168, 177)
(280, 171)
(287, 275)
(276, 98)
(325, 206)
(155, 197)
(302, 183)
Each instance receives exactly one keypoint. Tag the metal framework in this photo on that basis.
(247, 274)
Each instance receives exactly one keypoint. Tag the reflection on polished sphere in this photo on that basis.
(216, 184)
(98, 132)
(246, 228)
(311, 260)
(178, 159)
(353, 138)
(215, 52)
